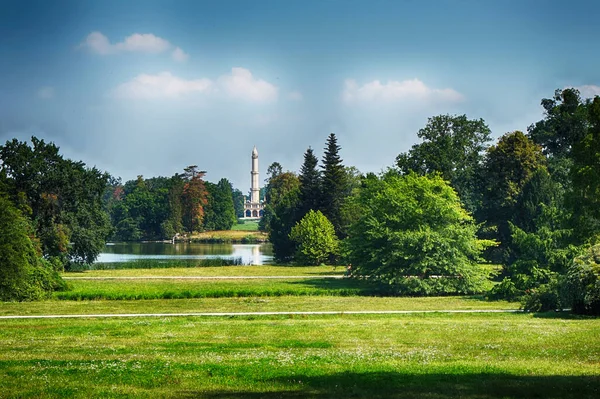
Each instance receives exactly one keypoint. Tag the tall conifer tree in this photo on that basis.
(310, 184)
(334, 183)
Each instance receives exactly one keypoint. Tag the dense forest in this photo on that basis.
(530, 201)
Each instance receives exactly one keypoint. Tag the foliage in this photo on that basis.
(334, 184)
(194, 199)
(62, 198)
(220, 212)
(310, 184)
(283, 199)
(415, 237)
(582, 283)
(315, 239)
(24, 276)
(507, 167)
(585, 173)
(452, 146)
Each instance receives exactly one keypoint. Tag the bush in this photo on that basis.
(315, 238)
(24, 276)
(581, 286)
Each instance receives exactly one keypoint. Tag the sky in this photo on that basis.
(150, 87)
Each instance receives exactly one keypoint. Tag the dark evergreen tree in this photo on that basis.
(310, 184)
(334, 186)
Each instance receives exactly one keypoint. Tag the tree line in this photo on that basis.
(530, 202)
(57, 214)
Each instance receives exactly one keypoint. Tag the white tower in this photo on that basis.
(253, 209)
(255, 191)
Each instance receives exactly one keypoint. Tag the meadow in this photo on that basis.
(431, 355)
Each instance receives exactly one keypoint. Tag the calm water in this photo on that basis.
(250, 254)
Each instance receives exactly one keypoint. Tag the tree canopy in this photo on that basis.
(415, 237)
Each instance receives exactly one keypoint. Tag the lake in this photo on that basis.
(162, 254)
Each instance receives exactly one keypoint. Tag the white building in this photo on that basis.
(253, 208)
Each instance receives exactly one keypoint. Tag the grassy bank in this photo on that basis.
(228, 236)
(432, 356)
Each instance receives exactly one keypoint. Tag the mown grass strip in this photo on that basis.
(361, 356)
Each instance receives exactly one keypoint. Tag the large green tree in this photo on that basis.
(310, 183)
(220, 213)
(508, 166)
(334, 184)
(454, 147)
(584, 200)
(63, 198)
(415, 237)
(281, 213)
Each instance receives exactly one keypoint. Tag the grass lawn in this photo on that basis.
(431, 355)
(253, 304)
(246, 226)
(424, 355)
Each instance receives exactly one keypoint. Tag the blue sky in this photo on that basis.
(150, 87)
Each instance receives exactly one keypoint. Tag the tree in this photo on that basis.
(415, 237)
(281, 212)
(219, 212)
(194, 199)
(238, 203)
(24, 275)
(454, 147)
(508, 166)
(310, 183)
(581, 286)
(315, 239)
(584, 199)
(334, 184)
(565, 124)
(63, 198)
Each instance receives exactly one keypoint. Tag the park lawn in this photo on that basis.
(114, 289)
(365, 356)
(246, 226)
(262, 270)
(254, 304)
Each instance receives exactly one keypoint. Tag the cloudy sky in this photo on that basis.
(150, 87)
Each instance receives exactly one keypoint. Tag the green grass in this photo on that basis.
(253, 304)
(431, 356)
(246, 226)
(180, 288)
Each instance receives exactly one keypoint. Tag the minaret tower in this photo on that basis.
(253, 209)
(255, 190)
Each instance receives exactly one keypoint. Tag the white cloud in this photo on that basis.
(588, 91)
(413, 89)
(46, 92)
(143, 43)
(180, 55)
(162, 85)
(295, 96)
(147, 43)
(241, 84)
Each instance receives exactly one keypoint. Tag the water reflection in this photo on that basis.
(254, 254)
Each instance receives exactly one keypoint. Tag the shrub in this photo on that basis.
(581, 286)
(315, 238)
